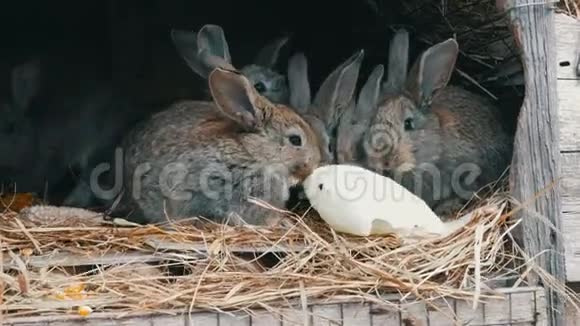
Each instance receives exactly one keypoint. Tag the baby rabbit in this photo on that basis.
(207, 49)
(52, 126)
(205, 159)
(352, 125)
(333, 97)
(356, 119)
(17, 133)
(442, 142)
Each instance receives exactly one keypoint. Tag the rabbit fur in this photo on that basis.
(50, 137)
(356, 119)
(332, 99)
(208, 49)
(205, 159)
(440, 141)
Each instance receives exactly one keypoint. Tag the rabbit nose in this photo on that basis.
(303, 170)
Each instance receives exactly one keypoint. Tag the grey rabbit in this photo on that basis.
(356, 118)
(440, 141)
(205, 159)
(352, 126)
(50, 133)
(332, 99)
(208, 49)
(17, 132)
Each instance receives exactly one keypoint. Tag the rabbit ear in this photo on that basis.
(203, 51)
(398, 63)
(210, 62)
(369, 94)
(186, 44)
(298, 82)
(235, 97)
(337, 90)
(432, 71)
(25, 84)
(268, 55)
(212, 38)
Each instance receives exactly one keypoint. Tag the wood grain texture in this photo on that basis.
(568, 56)
(522, 306)
(568, 87)
(569, 114)
(197, 251)
(536, 161)
(568, 46)
(570, 186)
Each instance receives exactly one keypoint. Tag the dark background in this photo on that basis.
(127, 42)
(131, 38)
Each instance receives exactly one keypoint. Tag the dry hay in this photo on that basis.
(127, 268)
(489, 60)
(134, 269)
(571, 7)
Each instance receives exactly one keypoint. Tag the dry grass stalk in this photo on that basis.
(571, 7)
(201, 268)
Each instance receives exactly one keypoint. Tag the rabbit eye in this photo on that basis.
(260, 87)
(409, 124)
(320, 186)
(295, 140)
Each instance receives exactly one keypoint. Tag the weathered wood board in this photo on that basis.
(568, 46)
(570, 187)
(522, 306)
(568, 87)
(536, 157)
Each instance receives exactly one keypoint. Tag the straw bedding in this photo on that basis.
(56, 259)
(53, 264)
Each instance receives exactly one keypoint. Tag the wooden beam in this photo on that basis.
(568, 45)
(568, 56)
(522, 306)
(536, 161)
(568, 88)
(570, 186)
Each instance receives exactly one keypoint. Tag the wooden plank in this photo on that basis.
(166, 320)
(203, 319)
(266, 319)
(442, 312)
(568, 45)
(385, 318)
(194, 251)
(568, 57)
(527, 307)
(536, 161)
(415, 314)
(569, 115)
(570, 187)
(326, 315)
(66, 259)
(296, 316)
(233, 320)
(356, 314)
(572, 316)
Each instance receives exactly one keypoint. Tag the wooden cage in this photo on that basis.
(546, 155)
